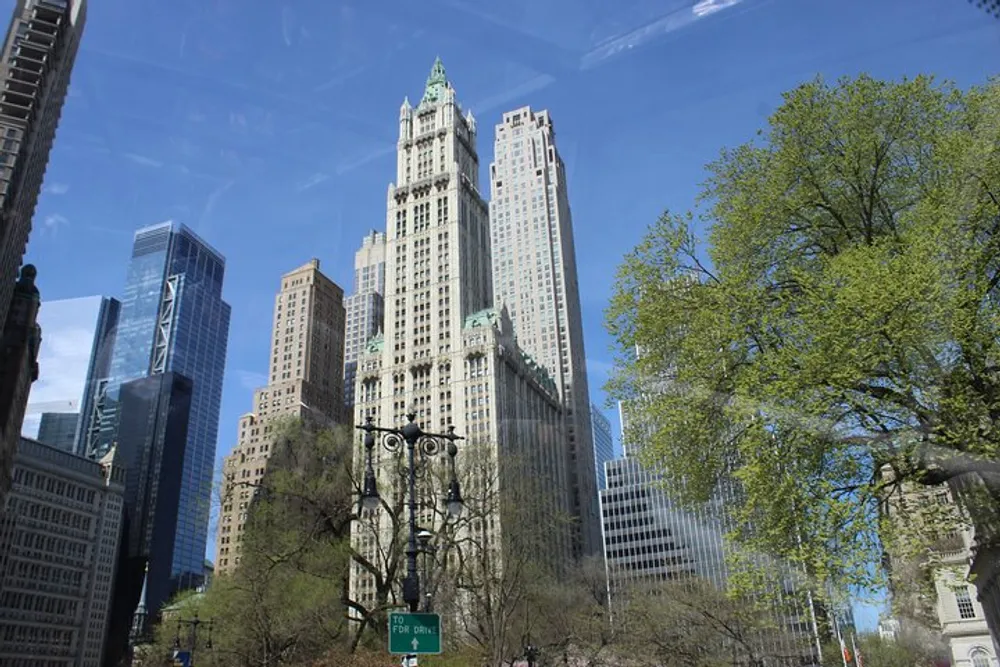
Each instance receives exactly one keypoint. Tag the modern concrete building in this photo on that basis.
(38, 56)
(447, 355)
(365, 307)
(306, 365)
(59, 543)
(650, 536)
(58, 429)
(535, 277)
(604, 444)
(19, 344)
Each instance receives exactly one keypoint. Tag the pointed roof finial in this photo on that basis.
(437, 82)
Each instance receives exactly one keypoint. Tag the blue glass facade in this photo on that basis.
(92, 405)
(173, 319)
(604, 444)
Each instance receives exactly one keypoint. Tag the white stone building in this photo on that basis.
(446, 354)
(535, 277)
(963, 623)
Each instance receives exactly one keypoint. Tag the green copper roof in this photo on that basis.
(436, 83)
(485, 317)
(375, 344)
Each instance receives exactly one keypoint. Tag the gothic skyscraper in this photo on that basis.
(446, 353)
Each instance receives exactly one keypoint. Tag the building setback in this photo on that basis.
(534, 276)
(58, 548)
(447, 355)
(304, 380)
(365, 308)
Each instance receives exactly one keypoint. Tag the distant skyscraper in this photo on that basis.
(58, 429)
(58, 544)
(306, 367)
(173, 319)
(38, 56)
(446, 353)
(534, 276)
(93, 407)
(604, 444)
(365, 307)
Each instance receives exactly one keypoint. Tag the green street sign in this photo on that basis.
(414, 633)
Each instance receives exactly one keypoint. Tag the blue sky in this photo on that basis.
(269, 127)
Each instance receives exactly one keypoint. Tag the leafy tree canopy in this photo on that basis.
(839, 321)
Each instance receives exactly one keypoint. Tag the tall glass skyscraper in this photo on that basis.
(173, 320)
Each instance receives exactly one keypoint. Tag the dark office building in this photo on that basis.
(152, 439)
(58, 429)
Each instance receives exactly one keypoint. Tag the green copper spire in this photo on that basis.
(436, 83)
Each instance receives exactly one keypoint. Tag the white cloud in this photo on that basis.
(53, 222)
(57, 188)
(143, 160)
(251, 380)
(67, 337)
(706, 7)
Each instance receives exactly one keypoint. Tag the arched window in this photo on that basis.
(980, 658)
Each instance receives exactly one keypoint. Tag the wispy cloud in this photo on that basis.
(57, 188)
(706, 7)
(375, 154)
(670, 22)
(312, 181)
(251, 380)
(287, 17)
(51, 223)
(532, 85)
(143, 160)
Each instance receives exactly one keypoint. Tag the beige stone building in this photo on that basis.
(306, 368)
(446, 353)
(534, 276)
(58, 551)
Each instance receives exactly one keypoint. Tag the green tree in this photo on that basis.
(840, 322)
(878, 652)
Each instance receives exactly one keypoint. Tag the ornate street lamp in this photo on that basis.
(429, 444)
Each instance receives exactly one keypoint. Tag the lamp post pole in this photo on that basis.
(193, 624)
(429, 444)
